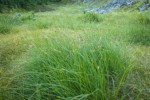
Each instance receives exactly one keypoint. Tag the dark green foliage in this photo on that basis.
(91, 17)
(5, 24)
(25, 4)
(43, 8)
(5, 29)
(143, 19)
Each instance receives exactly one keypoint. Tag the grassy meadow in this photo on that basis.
(66, 54)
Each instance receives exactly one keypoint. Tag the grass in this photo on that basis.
(143, 19)
(55, 55)
(8, 23)
(5, 26)
(91, 17)
(140, 36)
(71, 69)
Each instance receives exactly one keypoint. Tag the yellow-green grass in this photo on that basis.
(57, 55)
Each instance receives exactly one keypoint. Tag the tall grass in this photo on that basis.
(140, 36)
(91, 17)
(139, 32)
(143, 19)
(7, 24)
(63, 68)
(63, 57)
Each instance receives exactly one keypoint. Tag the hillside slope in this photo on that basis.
(112, 5)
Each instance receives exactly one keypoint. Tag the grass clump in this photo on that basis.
(43, 24)
(91, 17)
(5, 29)
(143, 19)
(30, 16)
(7, 23)
(140, 36)
(60, 68)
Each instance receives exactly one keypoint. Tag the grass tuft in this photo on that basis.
(5, 29)
(142, 19)
(63, 69)
(140, 36)
(7, 24)
(43, 24)
(91, 17)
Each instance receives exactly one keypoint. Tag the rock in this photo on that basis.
(112, 5)
(144, 7)
(116, 4)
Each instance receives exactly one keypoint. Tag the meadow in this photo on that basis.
(68, 54)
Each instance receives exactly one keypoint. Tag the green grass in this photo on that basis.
(5, 26)
(57, 55)
(140, 36)
(143, 19)
(91, 17)
(89, 70)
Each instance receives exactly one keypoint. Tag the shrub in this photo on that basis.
(91, 17)
(143, 19)
(25, 4)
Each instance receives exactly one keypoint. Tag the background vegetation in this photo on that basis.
(25, 4)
